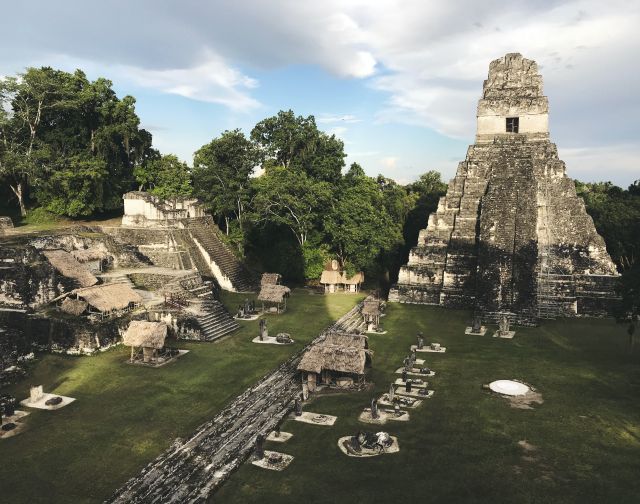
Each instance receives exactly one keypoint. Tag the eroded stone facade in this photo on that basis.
(511, 235)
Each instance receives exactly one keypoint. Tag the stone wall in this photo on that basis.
(511, 235)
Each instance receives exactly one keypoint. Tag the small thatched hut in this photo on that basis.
(333, 279)
(340, 359)
(371, 311)
(274, 297)
(68, 266)
(108, 299)
(270, 279)
(146, 339)
(353, 284)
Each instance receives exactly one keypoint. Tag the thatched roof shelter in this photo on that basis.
(273, 293)
(356, 279)
(68, 266)
(337, 358)
(347, 340)
(371, 308)
(109, 297)
(270, 279)
(331, 277)
(145, 334)
(73, 306)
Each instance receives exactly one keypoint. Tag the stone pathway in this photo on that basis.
(189, 471)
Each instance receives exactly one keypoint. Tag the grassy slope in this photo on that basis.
(126, 415)
(461, 446)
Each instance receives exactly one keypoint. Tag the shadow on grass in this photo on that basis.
(126, 415)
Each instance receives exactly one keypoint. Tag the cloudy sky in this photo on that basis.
(398, 81)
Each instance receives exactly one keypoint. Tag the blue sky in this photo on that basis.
(398, 81)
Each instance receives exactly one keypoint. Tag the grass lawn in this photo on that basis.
(462, 445)
(126, 415)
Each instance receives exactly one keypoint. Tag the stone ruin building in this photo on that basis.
(511, 235)
(75, 290)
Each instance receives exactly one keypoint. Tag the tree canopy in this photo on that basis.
(70, 143)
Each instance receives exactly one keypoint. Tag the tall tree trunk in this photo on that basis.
(17, 190)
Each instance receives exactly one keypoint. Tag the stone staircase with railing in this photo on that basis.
(229, 271)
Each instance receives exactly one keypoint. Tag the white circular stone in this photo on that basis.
(509, 387)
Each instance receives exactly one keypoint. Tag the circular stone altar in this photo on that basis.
(509, 387)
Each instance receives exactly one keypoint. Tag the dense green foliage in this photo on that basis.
(616, 214)
(69, 143)
(221, 171)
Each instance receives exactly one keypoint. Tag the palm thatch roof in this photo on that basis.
(73, 306)
(337, 358)
(145, 334)
(270, 279)
(331, 277)
(371, 308)
(356, 279)
(347, 340)
(68, 266)
(273, 293)
(107, 297)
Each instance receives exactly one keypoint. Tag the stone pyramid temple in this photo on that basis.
(511, 236)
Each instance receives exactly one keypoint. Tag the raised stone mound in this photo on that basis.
(511, 235)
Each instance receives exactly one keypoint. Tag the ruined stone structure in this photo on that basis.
(189, 236)
(142, 209)
(511, 235)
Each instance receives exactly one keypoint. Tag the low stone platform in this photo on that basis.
(344, 445)
(16, 418)
(247, 319)
(482, 332)
(159, 361)
(280, 465)
(415, 393)
(269, 340)
(428, 349)
(282, 438)
(414, 372)
(40, 403)
(508, 335)
(404, 401)
(422, 384)
(315, 418)
(376, 332)
(383, 416)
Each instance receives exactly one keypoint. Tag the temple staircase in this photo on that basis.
(205, 233)
(213, 318)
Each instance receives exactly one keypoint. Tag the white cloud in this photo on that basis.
(389, 163)
(592, 164)
(338, 131)
(333, 118)
(212, 81)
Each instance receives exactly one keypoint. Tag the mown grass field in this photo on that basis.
(126, 415)
(462, 445)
